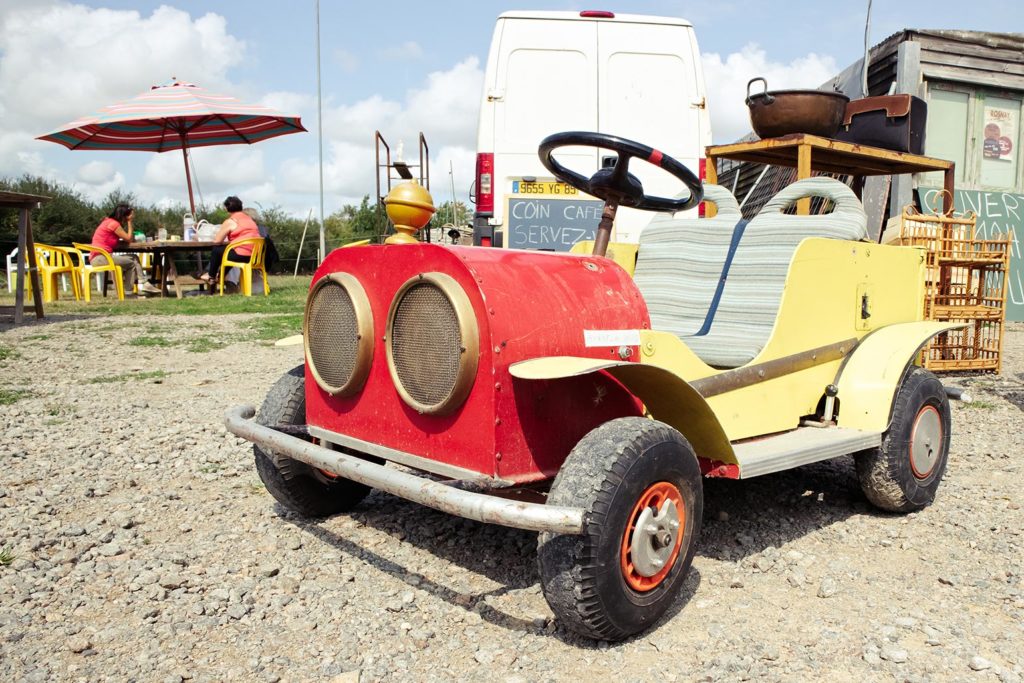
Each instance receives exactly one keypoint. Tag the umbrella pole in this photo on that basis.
(188, 176)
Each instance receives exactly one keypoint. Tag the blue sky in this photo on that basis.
(399, 66)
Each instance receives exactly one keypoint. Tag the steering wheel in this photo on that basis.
(616, 186)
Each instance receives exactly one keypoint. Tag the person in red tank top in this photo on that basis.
(238, 226)
(111, 231)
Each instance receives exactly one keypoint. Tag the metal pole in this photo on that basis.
(188, 176)
(455, 213)
(302, 241)
(867, 33)
(320, 135)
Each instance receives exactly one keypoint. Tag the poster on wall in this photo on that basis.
(1000, 132)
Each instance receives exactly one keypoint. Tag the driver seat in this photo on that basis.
(750, 299)
(680, 261)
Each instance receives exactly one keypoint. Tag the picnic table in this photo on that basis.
(163, 252)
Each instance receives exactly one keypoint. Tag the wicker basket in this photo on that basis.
(965, 282)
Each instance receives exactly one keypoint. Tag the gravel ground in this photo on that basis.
(144, 548)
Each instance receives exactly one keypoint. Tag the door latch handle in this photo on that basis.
(864, 312)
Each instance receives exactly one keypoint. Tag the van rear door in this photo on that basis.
(546, 82)
(646, 67)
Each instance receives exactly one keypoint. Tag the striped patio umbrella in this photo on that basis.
(173, 116)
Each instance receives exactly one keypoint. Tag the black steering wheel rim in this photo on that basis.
(626, 149)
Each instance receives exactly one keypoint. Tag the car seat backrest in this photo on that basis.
(680, 261)
(752, 293)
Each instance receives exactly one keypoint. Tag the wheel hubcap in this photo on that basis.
(925, 442)
(653, 537)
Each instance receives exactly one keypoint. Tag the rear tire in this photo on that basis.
(295, 484)
(904, 473)
(640, 486)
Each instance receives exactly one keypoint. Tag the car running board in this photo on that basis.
(800, 447)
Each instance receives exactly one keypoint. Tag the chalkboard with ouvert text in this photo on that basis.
(551, 224)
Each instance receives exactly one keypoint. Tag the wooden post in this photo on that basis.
(711, 178)
(33, 270)
(803, 170)
(949, 185)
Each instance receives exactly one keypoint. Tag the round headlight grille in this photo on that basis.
(338, 334)
(432, 343)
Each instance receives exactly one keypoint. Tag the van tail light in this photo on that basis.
(702, 173)
(484, 183)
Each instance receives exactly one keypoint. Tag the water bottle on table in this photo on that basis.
(189, 228)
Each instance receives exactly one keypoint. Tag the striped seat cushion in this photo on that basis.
(753, 291)
(680, 261)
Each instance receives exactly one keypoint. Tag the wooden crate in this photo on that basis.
(965, 282)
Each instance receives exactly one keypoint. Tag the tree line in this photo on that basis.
(70, 217)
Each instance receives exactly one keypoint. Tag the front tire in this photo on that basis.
(639, 482)
(904, 473)
(295, 484)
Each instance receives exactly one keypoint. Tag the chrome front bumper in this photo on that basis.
(482, 507)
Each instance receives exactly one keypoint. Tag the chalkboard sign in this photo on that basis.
(551, 224)
(998, 213)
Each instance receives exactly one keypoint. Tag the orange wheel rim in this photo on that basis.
(653, 537)
(329, 475)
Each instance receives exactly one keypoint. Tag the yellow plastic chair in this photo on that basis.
(255, 262)
(86, 270)
(53, 262)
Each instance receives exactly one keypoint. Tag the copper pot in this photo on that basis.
(784, 112)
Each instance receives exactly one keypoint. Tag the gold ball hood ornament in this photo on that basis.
(409, 207)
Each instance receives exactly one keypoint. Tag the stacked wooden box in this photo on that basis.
(966, 283)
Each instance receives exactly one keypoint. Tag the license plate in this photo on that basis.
(544, 188)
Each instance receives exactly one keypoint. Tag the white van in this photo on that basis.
(637, 77)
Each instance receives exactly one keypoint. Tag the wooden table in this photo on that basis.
(163, 257)
(27, 265)
(807, 153)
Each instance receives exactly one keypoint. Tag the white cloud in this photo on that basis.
(290, 102)
(410, 49)
(727, 79)
(345, 60)
(81, 59)
(218, 171)
(445, 109)
(97, 179)
(96, 172)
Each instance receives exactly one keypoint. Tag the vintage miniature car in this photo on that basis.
(585, 399)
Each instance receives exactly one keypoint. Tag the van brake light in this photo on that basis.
(597, 14)
(484, 182)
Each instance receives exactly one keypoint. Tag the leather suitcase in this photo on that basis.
(895, 122)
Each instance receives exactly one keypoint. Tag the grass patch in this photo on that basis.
(151, 341)
(10, 396)
(204, 345)
(980, 405)
(6, 352)
(273, 327)
(39, 337)
(124, 377)
(6, 556)
(287, 295)
(210, 468)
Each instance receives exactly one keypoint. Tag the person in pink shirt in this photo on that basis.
(238, 226)
(112, 230)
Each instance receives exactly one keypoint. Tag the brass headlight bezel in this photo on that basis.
(469, 333)
(364, 334)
